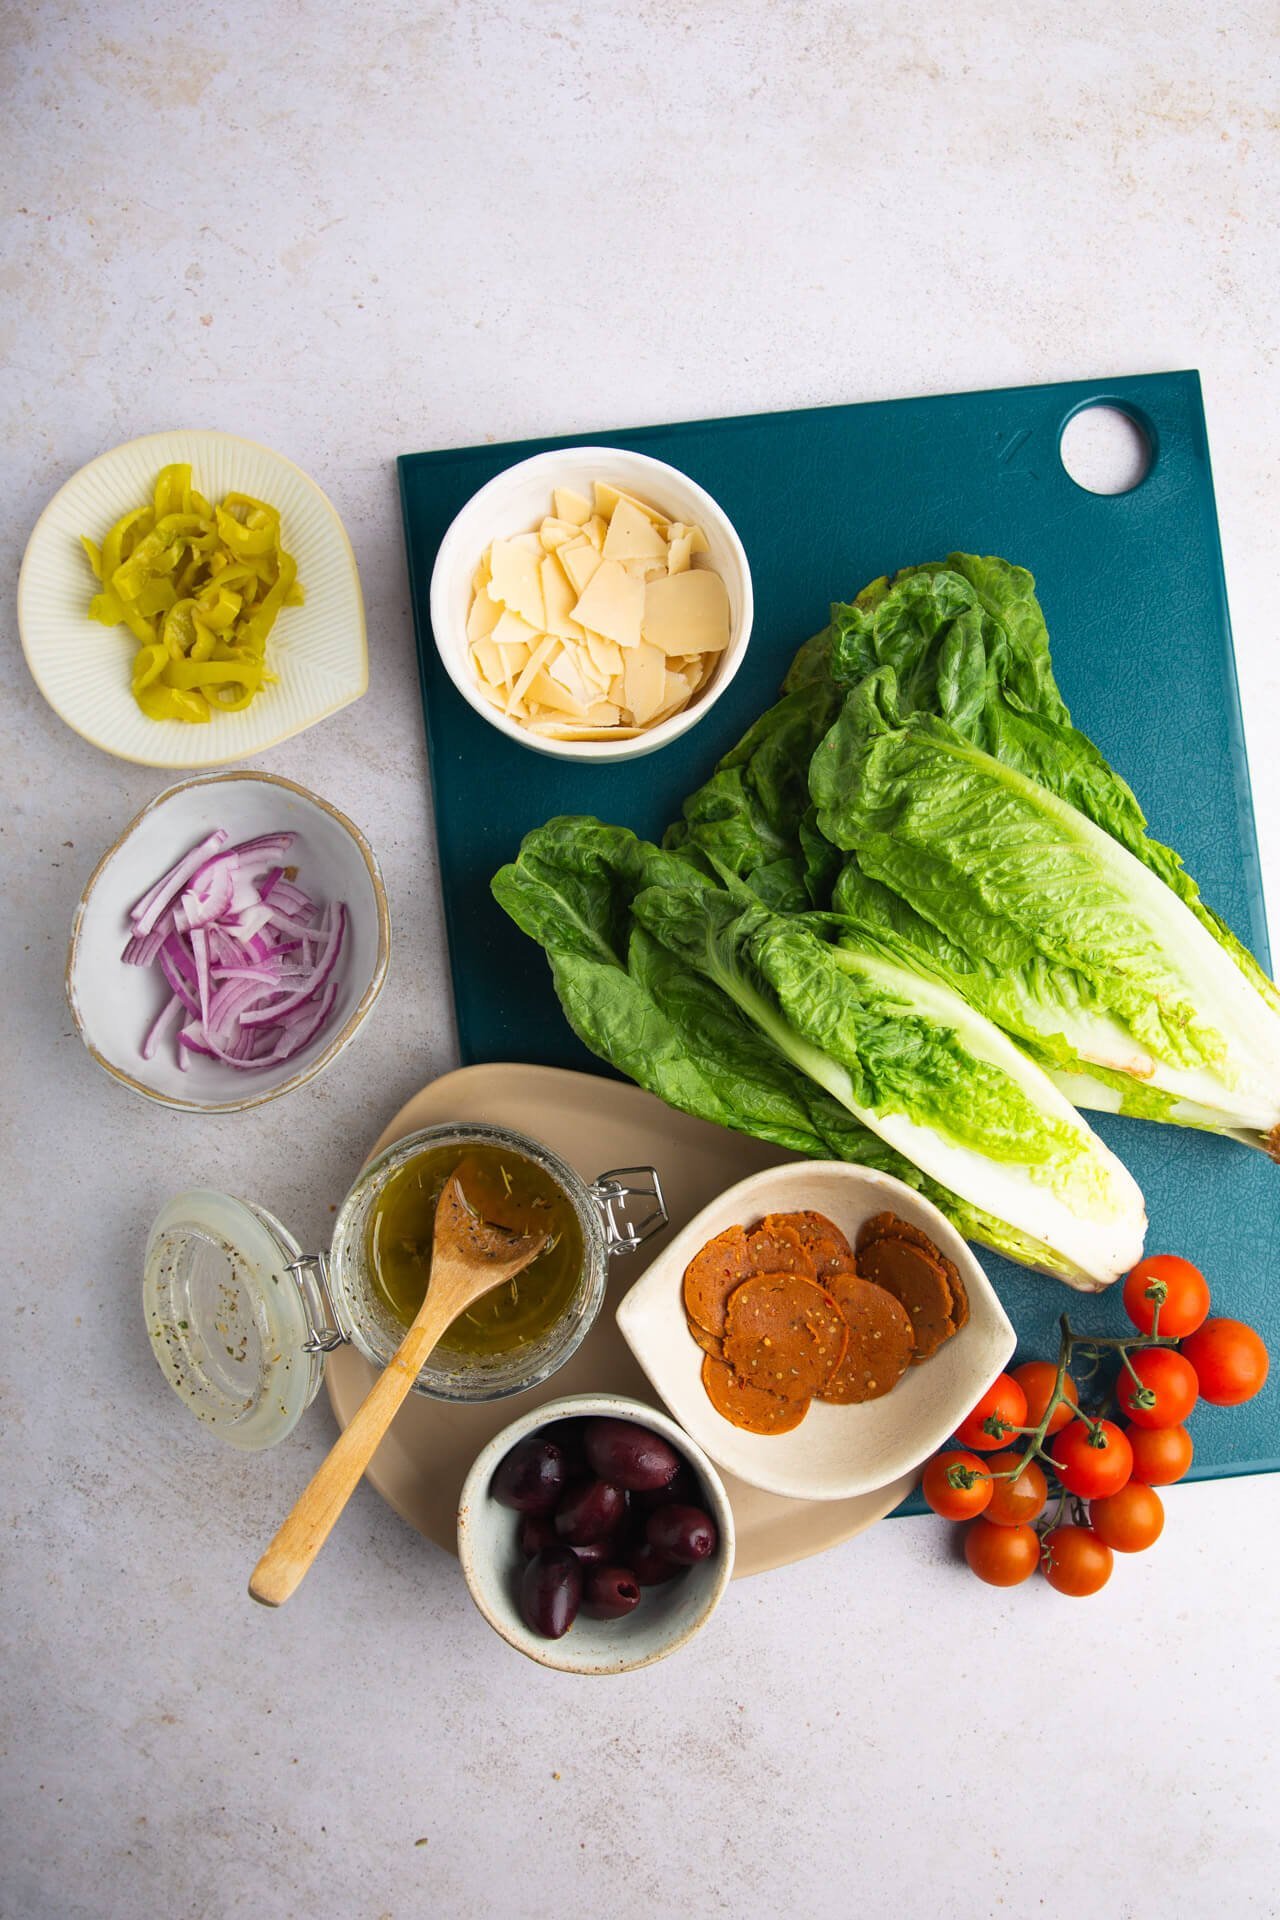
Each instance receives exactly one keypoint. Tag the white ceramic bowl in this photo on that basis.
(83, 669)
(836, 1452)
(113, 1005)
(667, 1617)
(515, 502)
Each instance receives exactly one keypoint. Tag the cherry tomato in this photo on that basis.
(957, 1485)
(1161, 1455)
(1020, 1502)
(1131, 1520)
(1002, 1556)
(1164, 1392)
(1076, 1561)
(1003, 1401)
(1037, 1379)
(1092, 1460)
(1180, 1290)
(1230, 1360)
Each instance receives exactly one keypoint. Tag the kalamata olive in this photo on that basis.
(551, 1592)
(610, 1592)
(685, 1534)
(537, 1532)
(591, 1510)
(685, 1488)
(630, 1456)
(593, 1553)
(531, 1477)
(569, 1436)
(651, 1568)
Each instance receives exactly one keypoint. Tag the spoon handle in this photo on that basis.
(307, 1527)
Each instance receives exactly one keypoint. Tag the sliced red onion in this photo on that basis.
(248, 957)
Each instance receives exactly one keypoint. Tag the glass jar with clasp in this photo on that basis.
(240, 1318)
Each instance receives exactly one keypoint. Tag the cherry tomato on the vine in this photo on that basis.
(1003, 1402)
(1037, 1378)
(1164, 1392)
(1230, 1360)
(1131, 1520)
(1092, 1459)
(1161, 1455)
(1180, 1289)
(957, 1485)
(1076, 1562)
(1002, 1556)
(1018, 1502)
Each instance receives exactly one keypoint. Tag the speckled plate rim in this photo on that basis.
(340, 1041)
(219, 759)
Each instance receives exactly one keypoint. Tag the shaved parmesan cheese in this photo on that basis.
(516, 581)
(571, 506)
(632, 536)
(597, 624)
(613, 604)
(687, 612)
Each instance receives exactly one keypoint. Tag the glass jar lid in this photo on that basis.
(225, 1295)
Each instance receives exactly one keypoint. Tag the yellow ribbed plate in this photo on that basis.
(83, 669)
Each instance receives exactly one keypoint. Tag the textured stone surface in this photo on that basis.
(353, 231)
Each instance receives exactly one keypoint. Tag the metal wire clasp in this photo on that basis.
(614, 1192)
(311, 1271)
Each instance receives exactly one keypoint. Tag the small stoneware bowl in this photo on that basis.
(836, 1453)
(667, 1617)
(515, 502)
(113, 1005)
(317, 650)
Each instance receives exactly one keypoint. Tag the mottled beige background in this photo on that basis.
(353, 230)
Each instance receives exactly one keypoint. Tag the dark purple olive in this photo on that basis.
(630, 1456)
(591, 1510)
(684, 1534)
(531, 1478)
(593, 1553)
(551, 1592)
(684, 1488)
(537, 1532)
(651, 1569)
(569, 1436)
(610, 1592)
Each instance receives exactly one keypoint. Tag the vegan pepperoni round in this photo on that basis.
(784, 1334)
(881, 1341)
(712, 1275)
(748, 1407)
(917, 1280)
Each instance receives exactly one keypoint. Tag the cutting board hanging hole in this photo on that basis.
(1105, 450)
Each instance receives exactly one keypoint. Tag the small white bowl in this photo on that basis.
(667, 1617)
(113, 1005)
(83, 669)
(836, 1453)
(515, 502)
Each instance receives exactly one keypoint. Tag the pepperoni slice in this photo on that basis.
(821, 1238)
(881, 1341)
(709, 1342)
(785, 1334)
(748, 1407)
(888, 1226)
(917, 1279)
(779, 1250)
(712, 1275)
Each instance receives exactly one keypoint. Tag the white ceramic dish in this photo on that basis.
(83, 669)
(667, 1617)
(515, 502)
(836, 1452)
(113, 1005)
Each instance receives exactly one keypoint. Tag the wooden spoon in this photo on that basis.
(469, 1257)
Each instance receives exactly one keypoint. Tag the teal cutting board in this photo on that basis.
(824, 501)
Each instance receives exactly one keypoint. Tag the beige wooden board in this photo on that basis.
(595, 1124)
